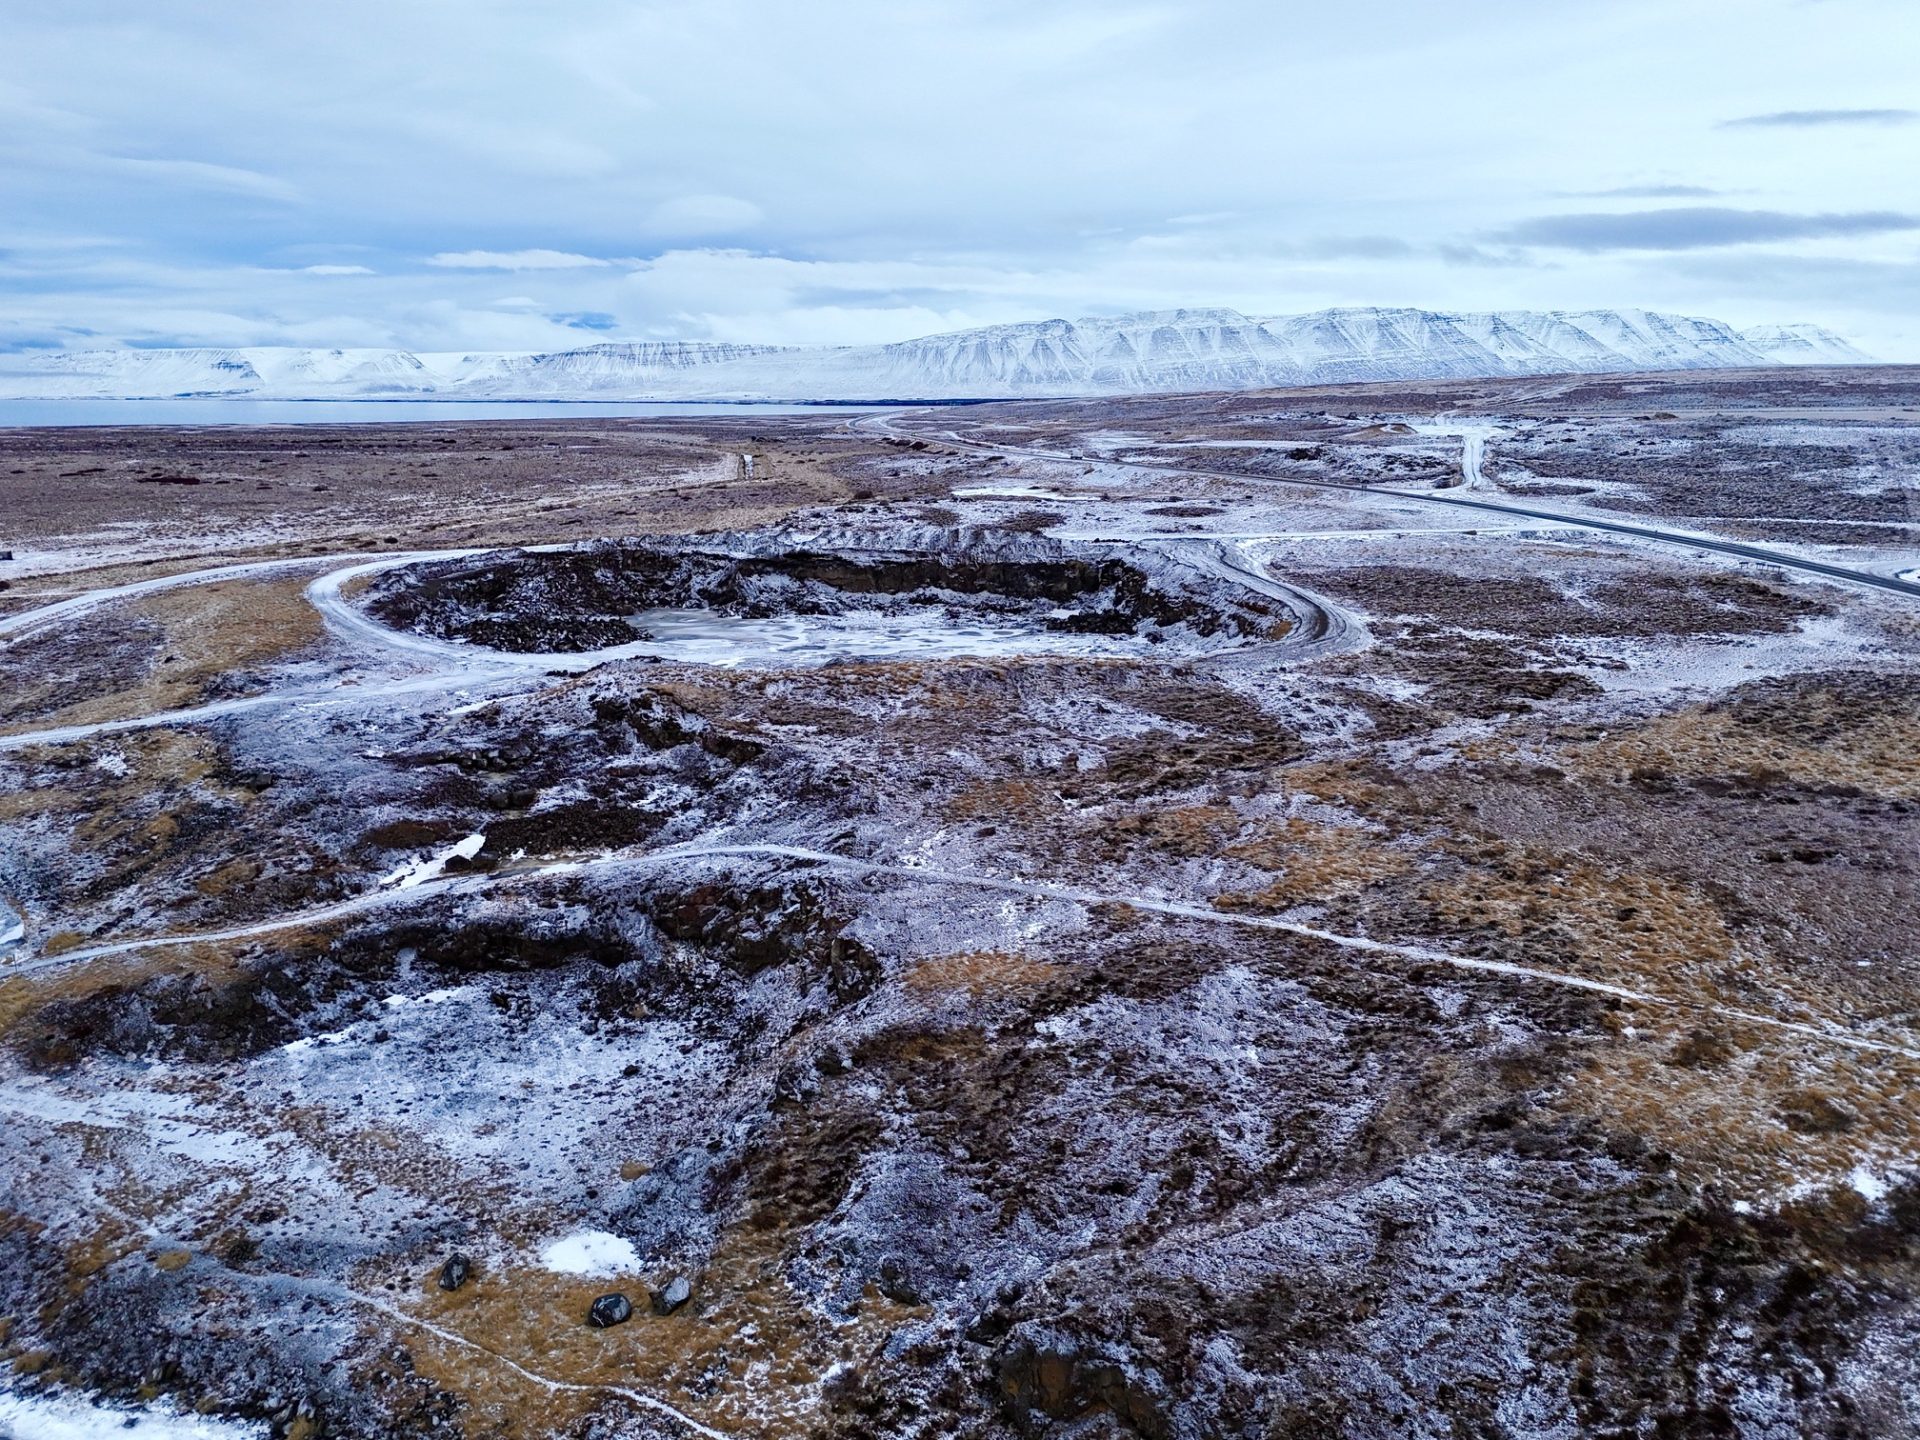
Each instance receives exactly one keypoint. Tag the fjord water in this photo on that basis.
(17, 414)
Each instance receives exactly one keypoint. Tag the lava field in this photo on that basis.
(1379, 911)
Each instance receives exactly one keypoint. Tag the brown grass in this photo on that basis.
(979, 972)
(1351, 785)
(29, 804)
(1619, 923)
(1730, 1102)
(1185, 831)
(747, 1354)
(1317, 863)
(24, 996)
(1880, 756)
(1008, 801)
(206, 631)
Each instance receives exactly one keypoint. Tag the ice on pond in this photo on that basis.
(1008, 492)
(931, 632)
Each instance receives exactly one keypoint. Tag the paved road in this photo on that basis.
(1897, 585)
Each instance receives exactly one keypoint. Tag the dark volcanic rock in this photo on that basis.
(671, 1296)
(609, 1310)
(1045, 1377)
(454, 1273)
(579, 600)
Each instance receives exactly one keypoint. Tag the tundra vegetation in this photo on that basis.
(1079, 919)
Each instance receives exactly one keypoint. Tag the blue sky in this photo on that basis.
(464, 174)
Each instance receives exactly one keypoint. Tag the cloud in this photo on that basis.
(703, 216)
(1808, 118)
(514, 260)
(1647, 192)
(1349, 247)
(873, 198)
(1695, 227)
(1481, 257)
(199, 175)
(335, 270)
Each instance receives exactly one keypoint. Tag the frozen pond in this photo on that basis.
(712, 637)
(565, 608)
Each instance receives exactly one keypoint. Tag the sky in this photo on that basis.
(451, 175)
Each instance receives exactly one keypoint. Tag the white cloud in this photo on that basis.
(514, 260)
(870, 169)
(703, 216)
(201, 175)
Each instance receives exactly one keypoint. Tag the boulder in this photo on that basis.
(609, 1310)
(671, 1296)
(454, 1273)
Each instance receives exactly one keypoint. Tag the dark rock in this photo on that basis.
(454, 1273)
(609, 1310)
(897, 1284)
(1051, 1378)
(672, 1296)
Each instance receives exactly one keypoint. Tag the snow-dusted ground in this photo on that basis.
(55, 1415)
(492, 1099)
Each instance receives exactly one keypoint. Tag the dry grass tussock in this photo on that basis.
(1881, 755)
(748, 1354)
(981, 972)
(205, 632)
(1637, 928)
(1765, 1116)
(1316, 862)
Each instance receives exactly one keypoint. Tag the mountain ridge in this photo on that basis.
(1201, 348)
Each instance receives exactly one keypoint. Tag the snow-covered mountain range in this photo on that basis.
(1166, 350)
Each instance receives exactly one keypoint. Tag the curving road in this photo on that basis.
(26, 622)
(1893, 584)
(1320, 627)
(455, 667)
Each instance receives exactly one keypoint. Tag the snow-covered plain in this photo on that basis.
(69, 1417)
(1204, 349)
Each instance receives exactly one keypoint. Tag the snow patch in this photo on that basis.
(590, 1252)
(1869, 1186)
(418, 872)
(1007, 492)
(73, 1417)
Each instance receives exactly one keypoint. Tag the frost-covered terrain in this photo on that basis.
(1130, 354)
(1379, 911)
